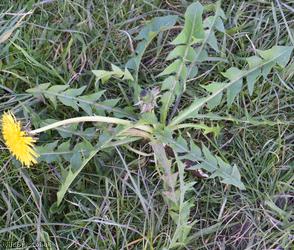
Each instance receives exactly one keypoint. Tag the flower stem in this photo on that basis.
(102, 119)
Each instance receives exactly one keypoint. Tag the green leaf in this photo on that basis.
(211, 162)
(267, 68)
(168, 177)
(195, 150)
(192, 110)
(171, 84)
(214, 21)
(75, 161)
(277, 54)
(46, 152)
(77, 155)
(67, 100)
(85, 147)
(218, 11)
(127, 75)
(201, 55)
(219, 25)
(149, 118)
(281, 54)
(185, 67)
(103, 75)
(68, 131)
(86, 101)
(68, 179)
(193, 28)
(211, 40)
(192, 72)
(38, 89)
(166, 100)
(172, 68)
(180, 51)
(117, 71)
(235, 179)
(214, 87)
(154, 27)
(189, 112)
(233, 74)
(230, 175)
(64, 150)
(181, 145)
(70, 175)
(253, 62)
(55, 90)
(92, 97)
(168, 83)
(58, 88)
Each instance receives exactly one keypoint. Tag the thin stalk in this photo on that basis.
(102, 119)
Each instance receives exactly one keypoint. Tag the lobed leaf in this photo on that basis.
(145, 36)
(193, 28)
(186, 57)
(105, 75)
(203, 159)
(233, 87)
(72, 97)
(73, 171)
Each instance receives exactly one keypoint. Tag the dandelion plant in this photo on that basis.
(155, 117)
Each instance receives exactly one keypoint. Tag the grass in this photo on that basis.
(61, 42)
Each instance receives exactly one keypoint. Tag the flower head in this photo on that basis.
(148, 99)
(19, 143)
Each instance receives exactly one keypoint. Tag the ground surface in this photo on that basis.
(61, 42)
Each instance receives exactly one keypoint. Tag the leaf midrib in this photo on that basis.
(177, 76)
(102, 106)
(182, 116)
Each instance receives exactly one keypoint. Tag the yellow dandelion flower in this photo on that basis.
(19, 143)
